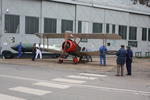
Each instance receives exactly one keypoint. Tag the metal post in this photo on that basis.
(75, 18)
(43, 41)
(47, 43)
(1, 28)
(104, 40)
(41, 13)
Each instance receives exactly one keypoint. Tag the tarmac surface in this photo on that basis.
(23, 79)
(140, 66)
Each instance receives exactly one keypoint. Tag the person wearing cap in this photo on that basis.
(129, 56)
(102, 51)
(121, 59)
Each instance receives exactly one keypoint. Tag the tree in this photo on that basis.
(143, 2)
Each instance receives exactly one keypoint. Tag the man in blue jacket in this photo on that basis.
(102, 51)
(129, 60)
(19, 48)
(121, 59)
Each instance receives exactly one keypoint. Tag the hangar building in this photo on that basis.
(20, 19)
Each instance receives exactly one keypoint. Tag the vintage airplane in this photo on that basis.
(70, 46)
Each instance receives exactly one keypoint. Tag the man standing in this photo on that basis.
(38, 51)
(129, 60)
(19, 48)
(102, 51)
(33, 52)
(121, 59)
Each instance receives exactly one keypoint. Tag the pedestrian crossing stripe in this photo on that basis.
(82, 77)
(8, 97)
(94, 75)
(52, 85)
(30, 90)
(68, 81)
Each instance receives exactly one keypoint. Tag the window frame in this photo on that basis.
(124, 36)
(132, 43)
(148, 34)
(144, 35)
(27, 29)
(97, 27)
(65, 26)
(53, 28)
(79, 26)
(107, 28)
(131, 35)
(113, 28)
(15, 31)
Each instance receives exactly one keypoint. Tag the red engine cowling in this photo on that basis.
(69, 46)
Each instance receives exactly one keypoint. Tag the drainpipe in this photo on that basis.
(41, 12)
(75, 18)
(1, 18)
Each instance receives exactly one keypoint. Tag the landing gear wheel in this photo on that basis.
(75, 60)
(60, 61)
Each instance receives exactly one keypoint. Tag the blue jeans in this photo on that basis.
(103, 60)
(19, 54)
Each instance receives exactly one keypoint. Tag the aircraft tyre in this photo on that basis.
(75, 60)
(7, 54)
(60, 61)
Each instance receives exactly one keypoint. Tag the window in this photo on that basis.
(144, 34)
(84, 40)
(132, 43)
(31, 25)
(113, 28)
(79, 26)
(50, 25)
(149, 34)
(132, 33)
(107, 28)
(123, 31)
(66, 25)
(97, 27)
(12, 23)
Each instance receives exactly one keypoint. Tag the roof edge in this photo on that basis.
(110, 7)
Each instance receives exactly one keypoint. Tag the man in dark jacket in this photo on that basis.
(121, 59)
(129, 60)
(33, 52)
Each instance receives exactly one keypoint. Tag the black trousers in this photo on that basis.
(128, 66)
(33, 56)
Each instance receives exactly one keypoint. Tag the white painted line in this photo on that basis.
(7, 97)
(81, 77)
(137, 92)
(119, 90)
(69, 81)
(96, 75)
(53, 85)
(20, 78)
(30, 91)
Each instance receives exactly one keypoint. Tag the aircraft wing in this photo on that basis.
(96, 53)
(81, 35)
(52, 49)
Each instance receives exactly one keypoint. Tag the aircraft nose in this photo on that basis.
(14, 47)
